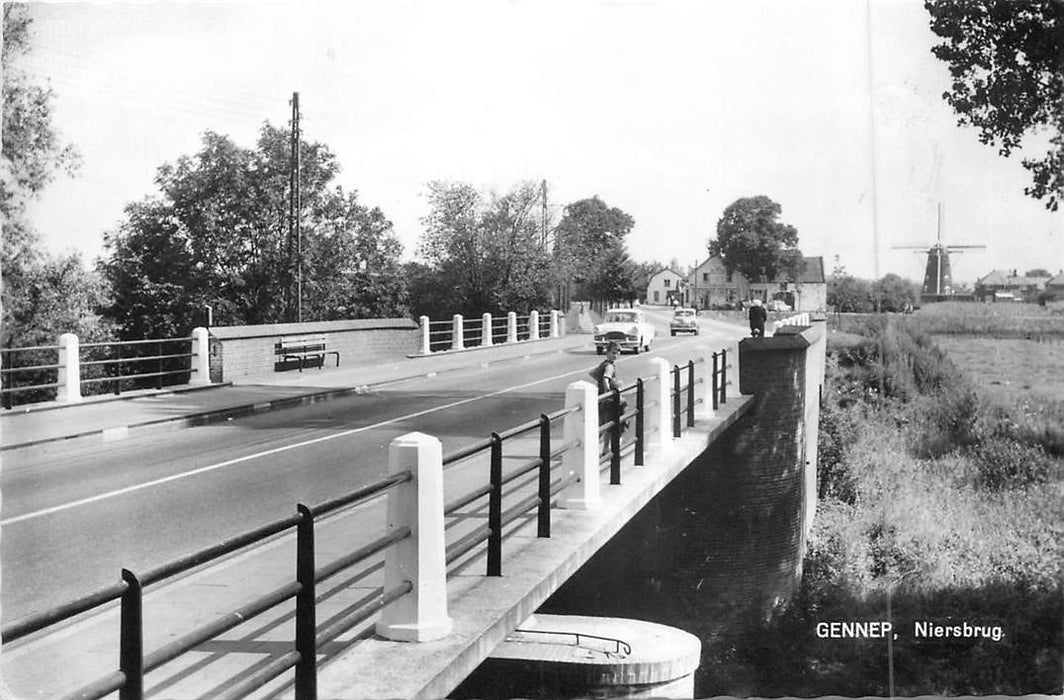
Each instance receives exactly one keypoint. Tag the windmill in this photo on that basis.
(938, 277)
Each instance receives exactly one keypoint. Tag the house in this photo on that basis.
(664, 286)
(1001, 285)
(710, 285)
(1055, 288)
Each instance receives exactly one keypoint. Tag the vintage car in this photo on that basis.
(628, 327)
(684, 320)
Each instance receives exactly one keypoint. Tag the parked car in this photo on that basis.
(628, 327)
(684, 320)
(778, 305)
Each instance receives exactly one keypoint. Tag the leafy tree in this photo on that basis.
(1038, 272)
(613, 279)
(750, 239)
(589, 232)
(1006, 59)
(217, 234)
(894, 292)
(850, 295)
(43, 295)
(481, 253)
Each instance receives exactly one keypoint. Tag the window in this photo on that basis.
(656, 293)
(668, 282)
(705, 276)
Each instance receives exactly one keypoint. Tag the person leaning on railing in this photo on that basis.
(605, 376)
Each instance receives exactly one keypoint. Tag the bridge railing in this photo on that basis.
(460, 332)
(28, 376)
(801, 319)
(412, 602)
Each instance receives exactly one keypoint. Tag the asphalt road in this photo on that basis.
(73, 517)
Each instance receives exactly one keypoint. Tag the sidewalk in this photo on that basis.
(110, 418)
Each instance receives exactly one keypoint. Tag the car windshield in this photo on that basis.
(682, 313)
(622, 317)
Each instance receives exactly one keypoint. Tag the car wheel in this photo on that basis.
(672, 333)
(647, 347)
(599, 349)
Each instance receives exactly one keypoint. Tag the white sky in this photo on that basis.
(668, 110)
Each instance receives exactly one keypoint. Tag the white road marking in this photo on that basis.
(277, 450)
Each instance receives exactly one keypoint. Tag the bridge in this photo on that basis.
(442, 499)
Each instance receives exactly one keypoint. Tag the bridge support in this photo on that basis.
(426, 335)
(533, 325)
(69, 390)
(457, 341)
(511, 327)
(485, 330)
(582, 460)
(201, 357)
(420, 615)
(662, 434)
(555, 328)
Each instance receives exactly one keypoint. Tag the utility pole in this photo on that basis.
(295, 233)
(543, 213)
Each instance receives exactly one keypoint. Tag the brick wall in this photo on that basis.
(243, 352)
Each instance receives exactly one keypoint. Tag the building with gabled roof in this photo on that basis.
(710, 285)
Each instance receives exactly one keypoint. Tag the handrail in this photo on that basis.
(511, 484)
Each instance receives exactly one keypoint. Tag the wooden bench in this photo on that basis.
(303, 348)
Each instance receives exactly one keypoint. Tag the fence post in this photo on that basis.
(690, 393)
(421, 614)
(131, 638)
(543, 512)
(511, 327)
(201, 356)
(677, 429)
(724, 376)
(495, 508)
(485, 330)
(306, 617)
(640, 422)
(555, 331)
(581, 460)
(715, 390)
(69, 390)
(662, 428)
(426, 335)
(457, 342)
(533, 325)
(615, 437)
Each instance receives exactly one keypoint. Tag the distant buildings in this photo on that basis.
(1005, 285)
(711, 286)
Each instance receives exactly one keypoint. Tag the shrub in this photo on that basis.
(1006, 463)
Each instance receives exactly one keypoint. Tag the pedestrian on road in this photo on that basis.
(758, 316)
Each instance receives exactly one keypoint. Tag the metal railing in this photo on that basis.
(459, 332)
(525, 492)
(27, 375)
(128, 679)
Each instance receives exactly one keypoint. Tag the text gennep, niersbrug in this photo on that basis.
(921, 629)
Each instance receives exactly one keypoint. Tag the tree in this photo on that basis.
(1006, 59)
(43, 295)
(893, 292)
(217, 234)
(482, 253)
(588, 231)
(1038, 272)
(751, 240)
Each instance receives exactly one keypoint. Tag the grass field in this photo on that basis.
(1014, 367)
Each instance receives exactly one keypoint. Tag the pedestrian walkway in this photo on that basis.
(112, 418)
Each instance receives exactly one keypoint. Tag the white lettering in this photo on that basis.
(926, 628)
(854, 630)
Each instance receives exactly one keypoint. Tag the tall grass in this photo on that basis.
(938, 501)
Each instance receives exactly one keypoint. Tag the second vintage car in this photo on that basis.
(684, 320)
(627, 327)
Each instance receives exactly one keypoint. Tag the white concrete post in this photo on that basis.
(584, 458)
(426, 335)
(554, 330)
(69, 390)
(485, 330)
(421, 558)
(457, 342)
(511, 327)
(662, 434)
(533, 325)
(201, 356)
(707, 384)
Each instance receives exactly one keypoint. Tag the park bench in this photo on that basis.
(304, 348)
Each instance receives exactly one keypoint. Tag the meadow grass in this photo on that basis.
(939, 500)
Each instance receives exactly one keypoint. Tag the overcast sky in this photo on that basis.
(668, 110)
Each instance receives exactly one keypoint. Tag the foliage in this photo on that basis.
(32, 149)
(893, 293)
(481, 253)
(750, 239)
(218, 235)
(1006, 60)
(1038, 272)
(589, 251)
(848, 294)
